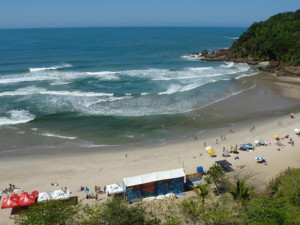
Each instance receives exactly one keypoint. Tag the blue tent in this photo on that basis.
(249, 145)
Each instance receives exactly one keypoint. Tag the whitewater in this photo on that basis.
(123, 84)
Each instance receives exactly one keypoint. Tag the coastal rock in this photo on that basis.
(293, 70)
(204, 53)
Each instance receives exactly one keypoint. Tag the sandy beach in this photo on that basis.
(91, 167)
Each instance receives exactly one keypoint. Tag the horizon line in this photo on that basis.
(70, 27)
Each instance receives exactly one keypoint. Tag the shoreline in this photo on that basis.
(74, 167)
(260, 107)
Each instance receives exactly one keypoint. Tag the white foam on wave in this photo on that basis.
(91, 145)
(50, 68)
(245, 75)
(192, 57)
(59, 83)
(173, 88)
(8, 80)
(104, 75)
(35, 90)
(16, 117)
(75, 93)
(57, 136)
(228, 64)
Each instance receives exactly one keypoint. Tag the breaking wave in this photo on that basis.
(192, 57)
(16, 117)
(58, 136)
(49, 68)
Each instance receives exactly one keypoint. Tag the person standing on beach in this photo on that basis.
(217, 141)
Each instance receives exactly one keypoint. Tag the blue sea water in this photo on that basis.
(113, 86)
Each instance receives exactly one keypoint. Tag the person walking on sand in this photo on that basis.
(217, 141)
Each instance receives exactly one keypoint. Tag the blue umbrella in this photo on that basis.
(242, 145)
(261, 141)
(249, 145)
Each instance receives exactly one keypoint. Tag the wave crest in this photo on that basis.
(49, 68)
(16, 117)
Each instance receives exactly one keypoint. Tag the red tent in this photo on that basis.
(35, 193)
(26, 199)
(10, 202)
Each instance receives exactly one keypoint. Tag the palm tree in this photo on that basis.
(240, 191)
(202, 191)
(216, 176)
(192, 209)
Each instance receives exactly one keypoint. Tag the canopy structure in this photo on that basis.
(54, 195)
(260, 158)
(209, 150)
(113, 189)
(276, 136)
(153, 177)
(249, 145)
(26, 199)
(10, 202)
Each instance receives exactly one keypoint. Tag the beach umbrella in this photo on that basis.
(256, 141)
(26, 199)
(242, 145)
(276, 136)
(297, 130)
(10, 202)
(260, 158)
(262, 141)
(210, 151)
(249, 145)
(208, 147)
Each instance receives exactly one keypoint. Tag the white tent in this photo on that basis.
(113, 189)
(53, 195)
(152, 177)
(44, 196)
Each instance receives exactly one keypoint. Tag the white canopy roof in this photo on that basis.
(53, 195)
(114, 189)
(151, 177)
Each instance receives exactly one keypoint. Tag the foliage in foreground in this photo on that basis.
(280, 204)
(50, 212)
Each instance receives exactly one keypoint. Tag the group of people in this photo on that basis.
(98, 189)
(9, 189)
(92, 195)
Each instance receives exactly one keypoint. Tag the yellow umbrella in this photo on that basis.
(210, 151)
(276, 136)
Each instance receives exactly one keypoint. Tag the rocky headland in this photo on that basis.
(269, 66)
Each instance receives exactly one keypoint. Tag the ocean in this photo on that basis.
(112, 86)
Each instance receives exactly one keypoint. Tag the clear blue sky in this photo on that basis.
(99, 13)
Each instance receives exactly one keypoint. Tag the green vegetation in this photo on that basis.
(279, 204)
(50, 212)
(277, 38)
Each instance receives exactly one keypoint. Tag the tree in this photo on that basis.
(192, 210)
(116, 211)
(239, 191)
(202, 191)
(216, 176)
(49, 212)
